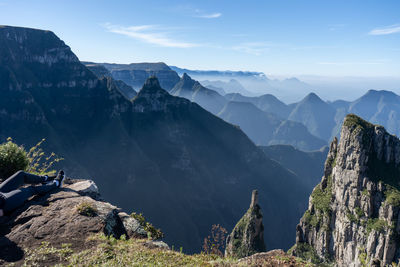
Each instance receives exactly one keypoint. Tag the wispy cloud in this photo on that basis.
(152, 34)
(253, 48)
(386, 30)
(209, 16)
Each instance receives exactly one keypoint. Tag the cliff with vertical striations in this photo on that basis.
(353, 218)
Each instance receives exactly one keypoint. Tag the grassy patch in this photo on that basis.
(86, 209)
(108, 251)
(133, 252)
(47, 253)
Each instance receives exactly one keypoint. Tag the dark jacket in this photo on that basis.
(2, 200)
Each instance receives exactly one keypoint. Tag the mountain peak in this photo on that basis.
(377, 93)
(152, 82)
(186, 77)
(313, 97)
(187, 81)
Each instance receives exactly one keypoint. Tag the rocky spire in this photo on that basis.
(247, 238)
(353, 218)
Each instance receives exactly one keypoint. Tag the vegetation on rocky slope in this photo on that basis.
(106, 251)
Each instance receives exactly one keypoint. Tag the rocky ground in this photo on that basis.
(65, 216)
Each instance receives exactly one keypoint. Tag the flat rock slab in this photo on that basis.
(66, 215)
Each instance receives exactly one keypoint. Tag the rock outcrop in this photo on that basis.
(66, 215)
(353, 218)
(247, 238)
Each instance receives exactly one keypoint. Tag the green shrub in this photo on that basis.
(321, 198)
(86, 209)
(306, 252)
(359, 212)
(392, 196)
(152, 232)
(12, 159)
(377, 225)
(352, 218)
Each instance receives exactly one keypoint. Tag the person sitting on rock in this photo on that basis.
(12, 197)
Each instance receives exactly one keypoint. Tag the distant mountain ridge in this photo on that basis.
(267, 129)
(135, 74)
(227, 73)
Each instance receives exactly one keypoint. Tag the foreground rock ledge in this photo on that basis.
(66, 215)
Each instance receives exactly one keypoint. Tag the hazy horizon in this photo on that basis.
(341, 38)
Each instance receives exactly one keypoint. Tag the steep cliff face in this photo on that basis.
(353, 216)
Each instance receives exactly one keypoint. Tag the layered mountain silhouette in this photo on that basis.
(195, 92)
(317, 115)
(100, 71)
(162, 155)
(267, 128)
(231, 86)
(267, 102)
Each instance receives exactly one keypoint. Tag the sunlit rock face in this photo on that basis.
(353, 214)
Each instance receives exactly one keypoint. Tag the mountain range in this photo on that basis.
(159, 154)
(322, 119)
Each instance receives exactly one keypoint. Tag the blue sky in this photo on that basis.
(282, 37)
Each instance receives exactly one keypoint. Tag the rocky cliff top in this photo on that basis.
(353, 216)
(68, 215)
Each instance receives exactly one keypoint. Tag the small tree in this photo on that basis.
(215, 242)
(12, 159)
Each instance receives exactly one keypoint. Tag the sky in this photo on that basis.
(342, 38)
